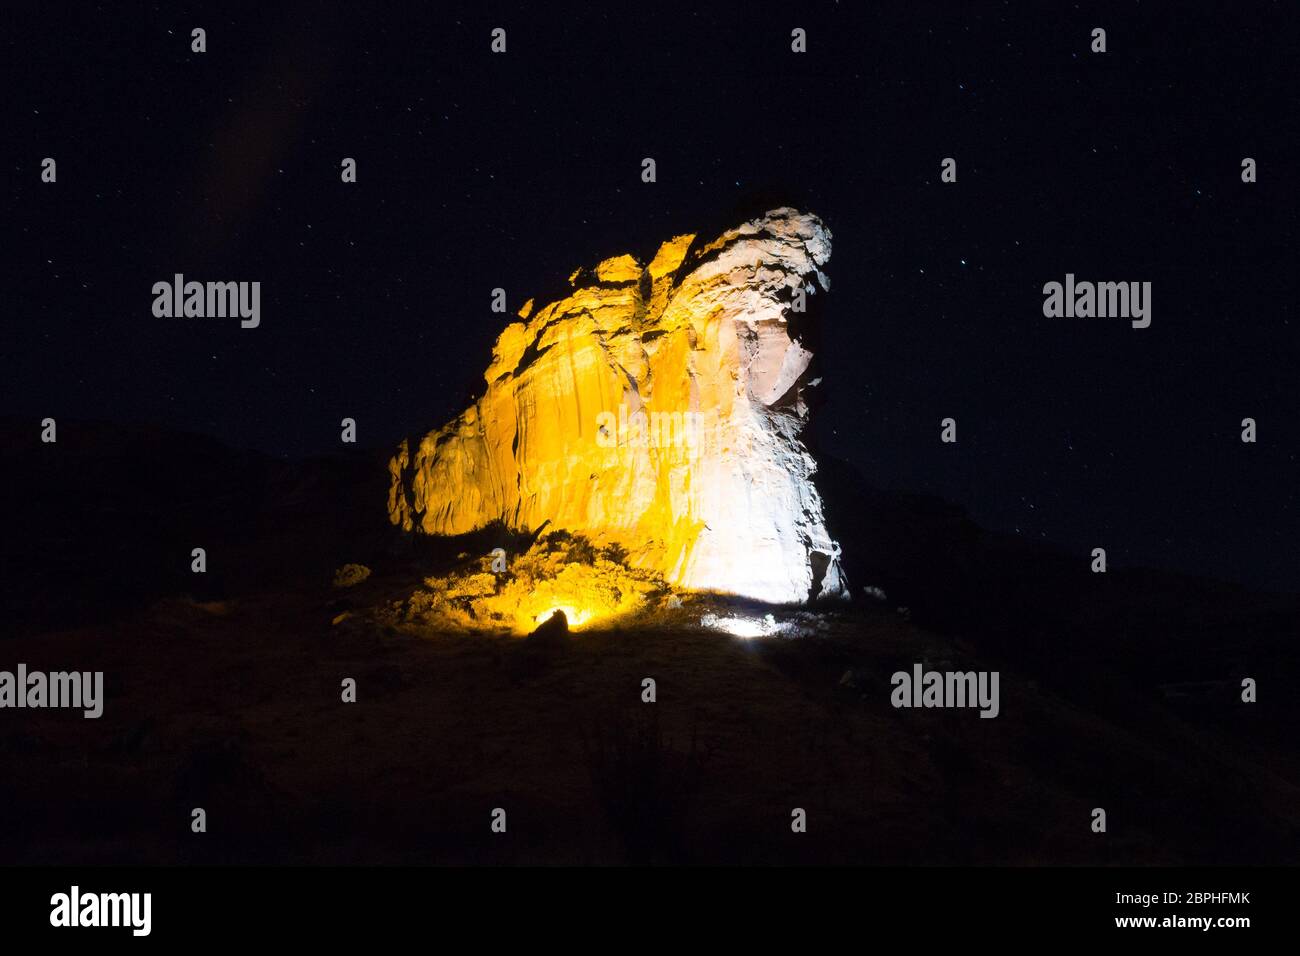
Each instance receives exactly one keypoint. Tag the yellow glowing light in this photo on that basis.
(575, 617)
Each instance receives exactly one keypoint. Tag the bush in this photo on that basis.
(350, 575)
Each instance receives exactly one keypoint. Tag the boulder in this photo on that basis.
(658, 407)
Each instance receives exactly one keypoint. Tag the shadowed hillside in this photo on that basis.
(1118, 690)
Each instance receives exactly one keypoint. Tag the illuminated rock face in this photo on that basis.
(658, 407)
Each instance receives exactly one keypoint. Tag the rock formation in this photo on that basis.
(656, 408)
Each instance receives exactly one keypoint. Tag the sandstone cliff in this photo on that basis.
(657, 408)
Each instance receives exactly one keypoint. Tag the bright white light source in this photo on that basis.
(746, 627)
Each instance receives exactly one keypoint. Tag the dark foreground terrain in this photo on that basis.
(1118, 691)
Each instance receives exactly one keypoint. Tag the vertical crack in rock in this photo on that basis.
(658, 408)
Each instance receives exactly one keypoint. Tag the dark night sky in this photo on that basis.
(477, 171)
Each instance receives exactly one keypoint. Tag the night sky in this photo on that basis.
(478, 170)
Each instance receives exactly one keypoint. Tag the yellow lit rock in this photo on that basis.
(657, 408)
(619, 269)
(560, 572)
